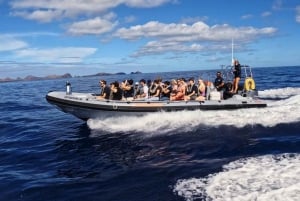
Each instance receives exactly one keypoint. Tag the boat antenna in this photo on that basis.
(232, 45)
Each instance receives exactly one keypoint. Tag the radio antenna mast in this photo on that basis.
(232, 60)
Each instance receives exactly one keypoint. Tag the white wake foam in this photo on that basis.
(279, 93)
(264, 178)
(281, 111)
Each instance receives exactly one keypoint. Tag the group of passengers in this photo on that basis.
(174, 90)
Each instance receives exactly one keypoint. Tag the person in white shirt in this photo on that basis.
(144, 90)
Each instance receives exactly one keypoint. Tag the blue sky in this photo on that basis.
(81, 37)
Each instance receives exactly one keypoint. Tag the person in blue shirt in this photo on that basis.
(219, 82)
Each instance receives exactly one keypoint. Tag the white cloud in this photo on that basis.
(198, 31)
(179, 37)
(266, 14)
(92, 26)
(277, 5)
(40, 15)
(145, 3)
(63, 55)
(245, 17)
(298, 14)
(49, 10)
(70, 8)
(156, 47)
(9, 43)
(130, 19)
(189, 20)
(34, 34)
(160, 30)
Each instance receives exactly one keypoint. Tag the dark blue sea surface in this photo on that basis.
(247, 154)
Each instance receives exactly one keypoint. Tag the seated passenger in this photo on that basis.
(105, 90)
(155, 90)
(191, 92)
(201, 90)
(116, 91)
(128, 89)
(219, 82)
(151, 87)
(143, 90)
(149, 84)
(179, 94)
(183, 81)
(227, 91)
(174, 86)
(166, 91)
(137, 89)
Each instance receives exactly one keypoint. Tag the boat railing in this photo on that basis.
(247, 71)
(228, 75)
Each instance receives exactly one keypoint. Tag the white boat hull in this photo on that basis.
(86, 105)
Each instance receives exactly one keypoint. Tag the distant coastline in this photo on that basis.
(66, 75)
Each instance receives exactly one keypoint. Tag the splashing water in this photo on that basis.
(269, 177)
(277, 112)
(279, 93)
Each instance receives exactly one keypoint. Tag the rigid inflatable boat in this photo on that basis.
(87, 105)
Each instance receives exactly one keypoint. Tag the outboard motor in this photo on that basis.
(68, 88)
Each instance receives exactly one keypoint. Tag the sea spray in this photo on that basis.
(281, 111)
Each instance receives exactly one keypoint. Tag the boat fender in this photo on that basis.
(249, 84)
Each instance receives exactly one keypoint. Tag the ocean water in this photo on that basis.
(247, 154)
